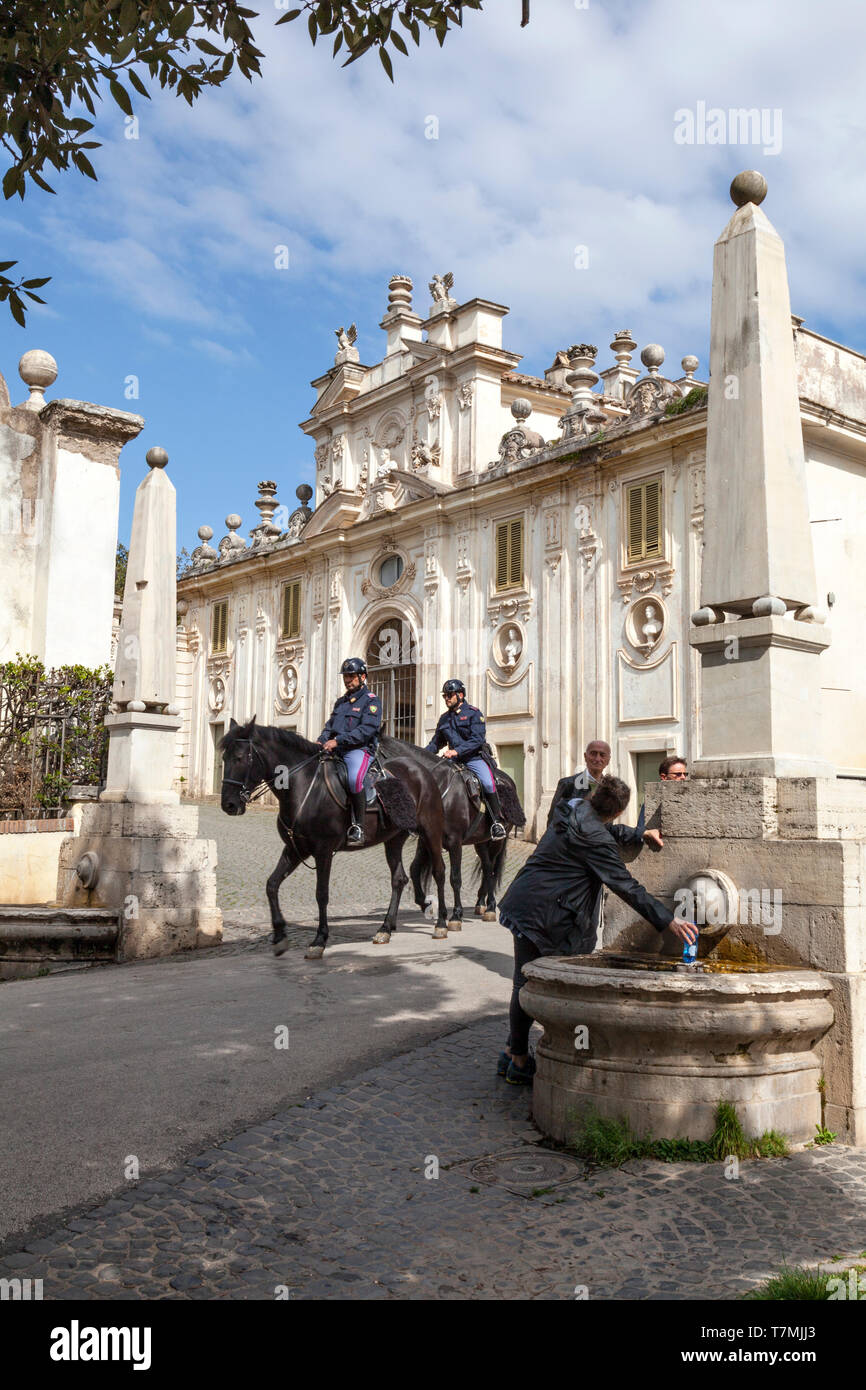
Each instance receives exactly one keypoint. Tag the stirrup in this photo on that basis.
(355, 835)
(497, 831)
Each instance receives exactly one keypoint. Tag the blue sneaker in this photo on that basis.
(521, 1076)
(503, 1064)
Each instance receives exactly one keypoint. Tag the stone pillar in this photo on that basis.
(144, 858)
(760, 672)
(765, 815)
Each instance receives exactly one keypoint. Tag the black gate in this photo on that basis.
(391, 674)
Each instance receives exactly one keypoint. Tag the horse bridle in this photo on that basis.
(248, 794)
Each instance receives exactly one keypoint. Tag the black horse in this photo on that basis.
(311, 822)
(465, 824)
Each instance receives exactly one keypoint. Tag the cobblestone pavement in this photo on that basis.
(330, 1200)
(249, 846)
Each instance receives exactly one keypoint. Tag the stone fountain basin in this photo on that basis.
(664, 1047)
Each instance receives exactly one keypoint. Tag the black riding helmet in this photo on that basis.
(353, 666)
(454, 687)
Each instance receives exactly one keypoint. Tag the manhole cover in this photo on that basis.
(525, 1170)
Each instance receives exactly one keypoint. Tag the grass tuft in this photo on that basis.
(802, 1285)
(607, 1142)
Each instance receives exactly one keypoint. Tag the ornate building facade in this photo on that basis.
(553, 566)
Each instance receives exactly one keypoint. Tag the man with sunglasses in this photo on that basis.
(462, 734)
(353, 732)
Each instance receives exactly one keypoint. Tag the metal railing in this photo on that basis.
(52, 736)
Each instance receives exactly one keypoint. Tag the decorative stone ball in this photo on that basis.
(303, 493)
(37, 368)
(156, 457)
(233, 521)
(748, 187)
(652, 355)
(690, 364)
(182, 607)
(521, 408)
(205, 534)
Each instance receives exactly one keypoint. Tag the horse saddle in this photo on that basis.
(472, 784)
(337, 782)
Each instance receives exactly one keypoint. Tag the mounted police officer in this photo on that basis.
(462, 729)
(353, 733)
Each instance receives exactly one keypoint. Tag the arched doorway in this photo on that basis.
(391, 670)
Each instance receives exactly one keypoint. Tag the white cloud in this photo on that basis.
(549, 137)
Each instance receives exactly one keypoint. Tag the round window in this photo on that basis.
(390, 570)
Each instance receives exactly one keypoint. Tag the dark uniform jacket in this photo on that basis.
(579, 786)
(355, 721)
(555, 900)
(463, 730)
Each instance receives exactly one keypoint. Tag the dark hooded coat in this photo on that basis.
(556, 898)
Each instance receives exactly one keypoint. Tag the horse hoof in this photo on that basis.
(454, 925)
(381, 938)
(440, 933)
(314, 953)
(280, 946)
(488, 916)
(428, 912)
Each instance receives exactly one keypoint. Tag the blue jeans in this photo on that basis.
(482, 772)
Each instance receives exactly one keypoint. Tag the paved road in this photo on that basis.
(387, 1186)
(158, 1059)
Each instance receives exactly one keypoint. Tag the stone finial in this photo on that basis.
(690, 366)
(266, 504)
(652, 357)
(232, 544)
(38, 370)
(748, 187)
(622, 347)
(440, 292)
(521, 408)
(303, 493)
(204, 554)
(399, 293)
(156, 457)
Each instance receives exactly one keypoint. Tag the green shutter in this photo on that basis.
(643, 521)
(219, 626)
(290, 618)
(509, 554)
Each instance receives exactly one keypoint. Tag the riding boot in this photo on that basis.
(497, 829)
(358, 810)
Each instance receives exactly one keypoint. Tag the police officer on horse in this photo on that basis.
(352, 732)
(462, 729)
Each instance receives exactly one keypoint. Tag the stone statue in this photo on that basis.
(512, 649)
(440, 287)
(346, 338)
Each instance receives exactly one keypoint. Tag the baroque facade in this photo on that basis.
(553, 565)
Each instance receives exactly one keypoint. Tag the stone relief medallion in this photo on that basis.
(508, 647)
(646, 623)
(288, 690)
(217, 695)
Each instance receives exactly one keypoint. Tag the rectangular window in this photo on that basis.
(509, 554)
(643, 507)
(290, 611)
(219, 626)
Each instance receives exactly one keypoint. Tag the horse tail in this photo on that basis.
(425, 867)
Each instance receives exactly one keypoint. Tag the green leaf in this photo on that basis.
(205, 47)
(386, 63)
(137, 83)
(83, 163)
(34, 296)
(7, 265)
(33, 284)
(397, 41)
(11, 180)
(40, 182)
(121, 96)
(338, 44)
(286, 18)
(17, 310)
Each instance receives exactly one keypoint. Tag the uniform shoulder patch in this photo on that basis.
(372, 709)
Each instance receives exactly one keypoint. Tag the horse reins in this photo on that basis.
(247, 794)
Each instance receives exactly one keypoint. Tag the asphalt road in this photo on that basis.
(154, 1061)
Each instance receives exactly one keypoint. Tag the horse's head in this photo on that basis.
(242, 770)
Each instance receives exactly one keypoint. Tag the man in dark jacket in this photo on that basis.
(353, 733)
(554, 903)
(462, 734)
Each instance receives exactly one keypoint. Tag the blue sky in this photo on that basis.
(551, 137)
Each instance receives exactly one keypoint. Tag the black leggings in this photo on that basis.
(519, 1020)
